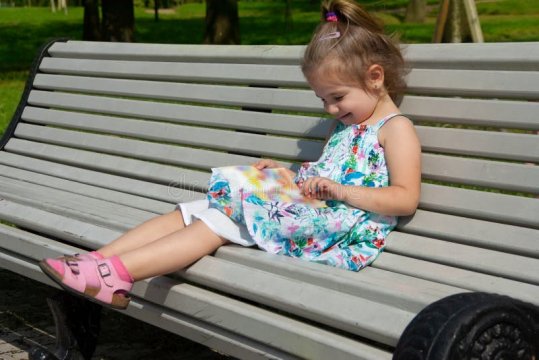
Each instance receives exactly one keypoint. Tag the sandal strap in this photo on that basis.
(72, 262)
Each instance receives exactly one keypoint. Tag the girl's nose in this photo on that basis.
(331, 109)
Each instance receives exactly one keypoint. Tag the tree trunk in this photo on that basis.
(457, 29)
(91, 28)
(288, 15)
(118, 20)
(222, 22)
(416, 11)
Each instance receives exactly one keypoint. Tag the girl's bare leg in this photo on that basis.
(172, 252)
(144, 233)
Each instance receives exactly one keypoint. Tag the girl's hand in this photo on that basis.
(266, 164)
(323, 189)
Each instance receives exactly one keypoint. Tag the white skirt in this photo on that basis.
(218, 222)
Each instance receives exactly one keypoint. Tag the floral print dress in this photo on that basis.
(330, 232)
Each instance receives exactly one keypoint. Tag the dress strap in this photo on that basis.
(381, 123)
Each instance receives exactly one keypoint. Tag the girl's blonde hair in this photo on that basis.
(346, 48)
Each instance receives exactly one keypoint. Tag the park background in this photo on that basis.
(25, 26)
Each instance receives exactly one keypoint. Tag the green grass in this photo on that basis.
(24, 30)
(11, 88)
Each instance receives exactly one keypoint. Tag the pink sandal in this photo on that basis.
(96, 280)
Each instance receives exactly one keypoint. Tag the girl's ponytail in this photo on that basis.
(347, 42)
(352, 14)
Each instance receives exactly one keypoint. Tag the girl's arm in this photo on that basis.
(403, 158)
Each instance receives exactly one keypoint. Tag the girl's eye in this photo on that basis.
(339, 98)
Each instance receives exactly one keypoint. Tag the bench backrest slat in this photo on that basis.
(497, 145)
(508, 176)
(137, 169)
(286, 124)
(439, 82)
(473, 111)
(500, 56)
(292, 100)
(473, 232)
(169, 193)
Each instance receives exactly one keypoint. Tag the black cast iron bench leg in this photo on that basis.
(77, 324)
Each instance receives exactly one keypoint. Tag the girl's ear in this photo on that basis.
(375, 77)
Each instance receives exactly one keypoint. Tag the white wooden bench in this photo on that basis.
(108, 135)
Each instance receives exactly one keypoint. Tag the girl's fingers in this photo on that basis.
(265, 163)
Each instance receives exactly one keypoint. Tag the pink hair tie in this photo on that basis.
(331, 17)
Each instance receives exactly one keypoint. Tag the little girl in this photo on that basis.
(348, 200)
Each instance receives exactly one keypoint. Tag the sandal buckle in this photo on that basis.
(104, 270)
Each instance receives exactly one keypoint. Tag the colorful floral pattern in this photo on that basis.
(282, 221)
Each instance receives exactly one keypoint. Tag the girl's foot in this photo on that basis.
(96, 280)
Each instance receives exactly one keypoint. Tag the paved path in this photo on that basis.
(15, 343)
(25, 322)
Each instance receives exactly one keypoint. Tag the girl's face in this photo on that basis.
(348, 103)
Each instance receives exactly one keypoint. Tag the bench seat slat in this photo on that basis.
(466, 279)
(81, 233)
(255, 323)
(137, 202)
(465, 256)
(410, 294)
(33, 246)
(309, 300)
(504, 84)
(302, 299)
(293, 125)
(102, 180)
(169, 320)
(95, 211)
(484, 234)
